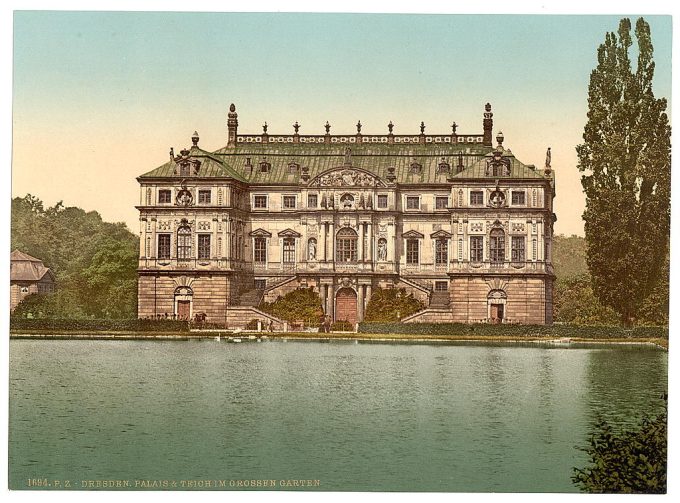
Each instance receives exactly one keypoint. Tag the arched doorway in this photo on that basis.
(346, 305)
(496, 304)
(183, 297)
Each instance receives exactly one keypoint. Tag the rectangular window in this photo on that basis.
(412, 249)
(260, 284)
(518, 254)
(288, 250)
(476, 198)
(204, 246)
(518, 197)
(260, 201)
(203, 197)
(164, 246)
(412, 202)
(289, 202)
(260, 250)
(441, 251)
(441, 202)
(382, 200)
(164, 196)
(441, 286)
(476, 248)
(312, 200)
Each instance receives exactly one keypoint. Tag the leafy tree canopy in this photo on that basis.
(391, 304)
(95, 262)
(625, 161)
(300, 304)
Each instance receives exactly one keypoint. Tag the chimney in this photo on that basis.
(488, 125)
(232, 126)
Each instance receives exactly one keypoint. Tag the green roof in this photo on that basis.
(376, 158)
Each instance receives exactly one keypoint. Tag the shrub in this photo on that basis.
(139, 325)
(342, 326)
(252, 324)
(391, 304)
(632, 461)
(301, 304)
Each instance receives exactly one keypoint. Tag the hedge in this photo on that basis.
(99, 325)
(489, 330)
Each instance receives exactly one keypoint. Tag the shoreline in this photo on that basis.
(325, 338)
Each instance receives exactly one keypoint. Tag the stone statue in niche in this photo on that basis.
(184, 198)
(497, 199)
(312, 249)
(382, 249)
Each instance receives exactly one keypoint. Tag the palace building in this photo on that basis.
(462, 224)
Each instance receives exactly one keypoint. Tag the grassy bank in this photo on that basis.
(321, 337)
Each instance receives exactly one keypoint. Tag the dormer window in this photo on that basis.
(416, 168)
(443, 167)
(293, 168)
(265, 166)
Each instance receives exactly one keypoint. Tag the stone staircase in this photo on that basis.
(251, 298)
(440, 300)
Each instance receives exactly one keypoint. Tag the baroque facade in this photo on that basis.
(460, 223)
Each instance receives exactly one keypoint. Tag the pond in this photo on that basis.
(341, 415)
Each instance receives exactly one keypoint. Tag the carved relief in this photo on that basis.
(204, 226)
(517, 227)
(476, 227)
(347, 178)
(164, 225)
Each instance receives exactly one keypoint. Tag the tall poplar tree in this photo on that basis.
(625, 158)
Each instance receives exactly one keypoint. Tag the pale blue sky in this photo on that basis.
(100, 97)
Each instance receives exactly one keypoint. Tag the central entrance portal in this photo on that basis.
(346, 305)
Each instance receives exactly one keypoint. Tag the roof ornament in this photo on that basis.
(296, 127)
(359, 127)
(390, 126)
(499, 139)
(548, 157)
(348, 156)
(454, 126)
(460, 166)
(422, 128)
(264, 127)
(194, 139)
(172, 154)
(328, 128)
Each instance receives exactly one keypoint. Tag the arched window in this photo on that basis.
(184, 243)
(346, 249)
(497, 245)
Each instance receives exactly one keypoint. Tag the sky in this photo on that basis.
(100, 97)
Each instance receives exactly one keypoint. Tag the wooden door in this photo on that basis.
(346, 305)
(183, 309)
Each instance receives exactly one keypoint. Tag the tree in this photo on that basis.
(625, 158)
(300, 304)
(632, 461)
(391, 305)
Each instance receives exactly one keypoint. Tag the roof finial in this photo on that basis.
(328, 128)
(172, 154)
(194, 139)
(548, 157)
(422, 128)
(499, 139)
(359, 127)
(264, 127)
(296, 127)
(390, 126)
(454, 126)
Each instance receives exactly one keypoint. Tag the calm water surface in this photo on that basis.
(354, 416)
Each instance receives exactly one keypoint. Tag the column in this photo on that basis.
(368, 295)
(154, 246)
(323, 240)
(360, 302)
(331, 254)
(360, 248)
(213, 238)
(227, 240)
(331, 302)
(369, 244)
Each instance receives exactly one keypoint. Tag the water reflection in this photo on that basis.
(356, 417)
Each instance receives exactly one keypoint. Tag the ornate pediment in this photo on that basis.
(260, 233)
(412, 234)
(346, 177)
(289, 233)
(497, 165)
(441, 234)
(185, 164)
